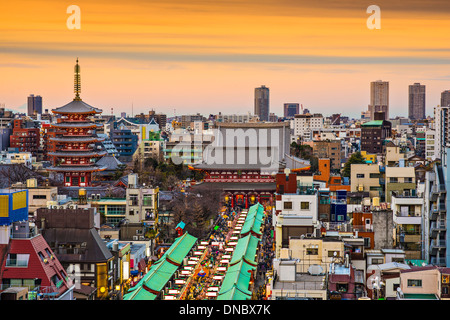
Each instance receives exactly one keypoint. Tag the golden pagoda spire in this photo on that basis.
(77, 84)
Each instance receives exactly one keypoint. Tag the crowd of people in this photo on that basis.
(221, 233)
(265, 258)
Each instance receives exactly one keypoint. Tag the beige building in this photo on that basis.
(393, 155)
(313, 252)
(142, 202)
(149, 149)
(38, 196)
(400, 181)
(429, 282)
(366, 178)
(302, 268)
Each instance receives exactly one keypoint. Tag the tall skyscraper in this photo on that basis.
(291, 109)
(416, 109)
(34, 105)
(379, 98)
(262, 103)
(445, 98)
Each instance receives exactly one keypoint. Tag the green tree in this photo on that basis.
(355, 158)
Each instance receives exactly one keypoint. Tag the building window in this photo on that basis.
(360, 175)
(342, 287)
(287, 205)
(414, 283)
(304, 205)
(17, 260)
(41, 255)
(147, 200)
(393, 180)
(39, 196)
(312, 251)
(377, 261)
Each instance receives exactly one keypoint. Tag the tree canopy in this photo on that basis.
(355, 158)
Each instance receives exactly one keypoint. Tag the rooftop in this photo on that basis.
(77, 106)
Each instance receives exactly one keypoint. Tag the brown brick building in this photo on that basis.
(329, 149)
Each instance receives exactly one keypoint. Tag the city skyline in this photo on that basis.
(171, 55)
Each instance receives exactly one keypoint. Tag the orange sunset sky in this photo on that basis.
(208, 56)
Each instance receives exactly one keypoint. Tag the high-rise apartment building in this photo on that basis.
(416, 103)
(291, 109)
(379, 98)
(34, 105)
(262, 103)
(442, 127)
(445, 98)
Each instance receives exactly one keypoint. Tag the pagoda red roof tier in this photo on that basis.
(78, 168)
(74, 138)
(74, 153)
(81, 125)
(77, 107)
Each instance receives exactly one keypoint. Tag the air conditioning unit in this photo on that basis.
(141, 238)
(135, 237)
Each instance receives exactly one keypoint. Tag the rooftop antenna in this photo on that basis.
(77, 82)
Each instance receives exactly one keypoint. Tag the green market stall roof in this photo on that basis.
(162, 270)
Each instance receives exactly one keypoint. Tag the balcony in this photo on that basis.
(434, 213)
(436, 245)
(440, 262)
(437, 227)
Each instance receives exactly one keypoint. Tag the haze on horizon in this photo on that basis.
(206, 57)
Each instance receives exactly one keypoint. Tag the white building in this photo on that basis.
(430, 145)
(441, 120)
(142, 202)
(296, 215)
(307, 125)
(10, 157)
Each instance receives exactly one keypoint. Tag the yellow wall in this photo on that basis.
(19, 200)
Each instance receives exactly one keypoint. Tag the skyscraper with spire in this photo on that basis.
(75, 155)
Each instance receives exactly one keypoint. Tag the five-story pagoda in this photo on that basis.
(75, 154)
